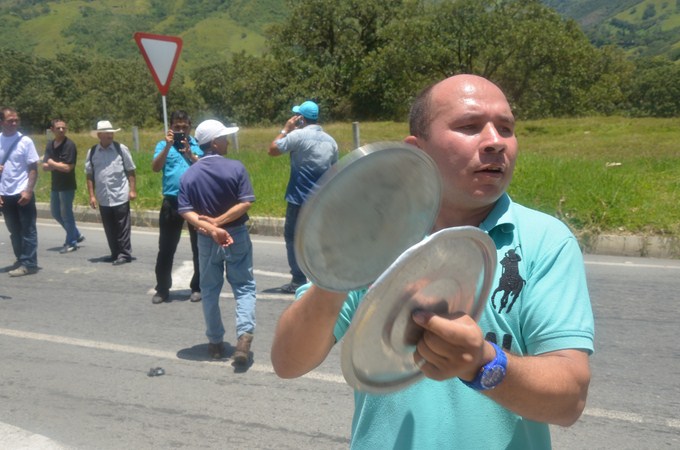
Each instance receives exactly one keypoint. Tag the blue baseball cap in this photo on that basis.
(308, 110)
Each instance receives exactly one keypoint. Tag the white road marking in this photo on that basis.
(632, 264)
(17, 438)
(614, 415)
(673, 423)
(624, 416)
(619, 416)
(182, 273)
(97, 345)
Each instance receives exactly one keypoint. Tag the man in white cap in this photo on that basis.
(312, 152)
(215, 195)
(111, 181)
(18, 175)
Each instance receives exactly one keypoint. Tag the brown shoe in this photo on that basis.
(215, 350)
(242, 353)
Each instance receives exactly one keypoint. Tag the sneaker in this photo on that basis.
(290, 288)
(22, 270)
(195, 297)
(121, 260)
(158, 298)
(215, 350)
(80, 239)
(242, 353)
(68, 249)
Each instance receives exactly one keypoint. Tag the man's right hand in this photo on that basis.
(169, 138)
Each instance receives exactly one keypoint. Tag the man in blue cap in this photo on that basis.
(312, 152)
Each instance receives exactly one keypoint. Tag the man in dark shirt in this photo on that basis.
(215, 195)
(60, 159)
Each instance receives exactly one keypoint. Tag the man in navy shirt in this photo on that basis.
(214, 196)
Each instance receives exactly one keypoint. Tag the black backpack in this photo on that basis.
(116, 145)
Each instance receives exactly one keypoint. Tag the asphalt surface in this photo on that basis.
(78, 339)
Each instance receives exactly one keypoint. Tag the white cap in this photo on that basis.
(209, 130)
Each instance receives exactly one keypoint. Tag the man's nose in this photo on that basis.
(492, 140)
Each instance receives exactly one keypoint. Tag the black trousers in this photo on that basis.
(170, 224)
(117, 226)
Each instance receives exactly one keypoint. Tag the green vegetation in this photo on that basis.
(105, 27)
(641, 27)
(597, 174)
(360, 59)
(249, 61)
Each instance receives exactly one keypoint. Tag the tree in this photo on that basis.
(541, 61)
(655, 89)
(320, 49)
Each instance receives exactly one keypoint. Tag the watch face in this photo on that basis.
(492, 376)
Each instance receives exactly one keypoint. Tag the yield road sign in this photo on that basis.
(161, 54)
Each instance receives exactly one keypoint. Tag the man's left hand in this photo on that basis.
(221, 237)
(25, 197)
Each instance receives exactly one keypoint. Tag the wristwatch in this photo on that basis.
(491, 374)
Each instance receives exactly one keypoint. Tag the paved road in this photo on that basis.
(77, 341)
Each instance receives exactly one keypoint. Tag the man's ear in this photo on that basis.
(412, 140)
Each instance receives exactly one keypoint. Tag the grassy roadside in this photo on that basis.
(597, 174)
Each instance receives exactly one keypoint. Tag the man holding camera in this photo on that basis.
(173, 156)
(312, 152)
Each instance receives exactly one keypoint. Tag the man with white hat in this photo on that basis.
(111, 181)
(215, 195)
(312, 152)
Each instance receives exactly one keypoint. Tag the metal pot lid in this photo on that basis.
(376, 202)
(450, 271)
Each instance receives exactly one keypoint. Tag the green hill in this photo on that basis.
(210, 29)
(643, 28)
(213, 29)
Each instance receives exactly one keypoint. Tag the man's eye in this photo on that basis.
(469, 128)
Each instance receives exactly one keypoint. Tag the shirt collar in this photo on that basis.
(500, 216)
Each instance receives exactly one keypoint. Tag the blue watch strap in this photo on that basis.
(492, 373)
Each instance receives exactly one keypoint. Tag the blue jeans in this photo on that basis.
(23, 233)
(292, 212)
(61, 206)
(238, 261)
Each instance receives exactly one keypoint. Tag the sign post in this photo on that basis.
(161, 54)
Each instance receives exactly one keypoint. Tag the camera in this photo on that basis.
(178, 137)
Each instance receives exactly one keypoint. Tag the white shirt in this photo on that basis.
(14, 178)
(111, 186)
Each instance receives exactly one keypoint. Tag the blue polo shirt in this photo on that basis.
(312, 152)
(175, 165)
(213, 185)
(551, 312)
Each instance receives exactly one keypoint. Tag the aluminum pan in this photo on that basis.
(371, 206)
(450, 271)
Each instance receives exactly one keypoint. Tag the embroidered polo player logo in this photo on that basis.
(510, 283)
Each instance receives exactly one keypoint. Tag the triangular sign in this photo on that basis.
(161, 54)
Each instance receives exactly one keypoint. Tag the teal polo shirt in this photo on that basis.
(175, 165)
(551, 312)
